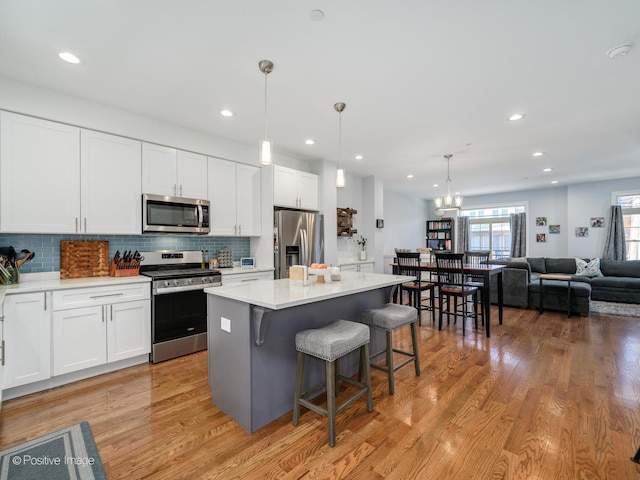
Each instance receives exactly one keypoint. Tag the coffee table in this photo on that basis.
(561, 277)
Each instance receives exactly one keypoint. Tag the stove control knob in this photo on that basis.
(190, 281)
(205, 280)
(166, 283)
(175, 282)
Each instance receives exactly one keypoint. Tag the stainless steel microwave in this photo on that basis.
(162, 214)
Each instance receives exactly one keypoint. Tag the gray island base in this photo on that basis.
(251, 335)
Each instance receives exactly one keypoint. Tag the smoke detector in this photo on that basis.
(619, 51)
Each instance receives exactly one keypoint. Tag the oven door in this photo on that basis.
(174, 215)
(178, 315)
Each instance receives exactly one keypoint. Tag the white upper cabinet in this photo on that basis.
(111, 192)
(39, 175)
(192, 175)
(176, 173)
(234, 193)
(59, 179)
(296, 189)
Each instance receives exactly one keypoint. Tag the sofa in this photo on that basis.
(619, 282)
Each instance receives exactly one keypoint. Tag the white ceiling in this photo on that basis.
(421, 78)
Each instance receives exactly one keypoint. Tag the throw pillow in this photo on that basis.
(588, 269)
(518, 259)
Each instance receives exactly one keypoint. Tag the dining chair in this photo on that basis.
(409, 264)
(452, 284)
(475, 258)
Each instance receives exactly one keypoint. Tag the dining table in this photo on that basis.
(476, 270)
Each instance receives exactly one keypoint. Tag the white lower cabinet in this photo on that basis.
(114, 326)
(357, 267)
(27, 335)
(230, 279)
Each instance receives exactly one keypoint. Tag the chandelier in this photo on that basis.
(448, 203)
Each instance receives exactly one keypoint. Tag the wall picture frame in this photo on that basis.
(541, 221)
(554, 229)
(597, 222)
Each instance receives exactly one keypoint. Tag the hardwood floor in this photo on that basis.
(547, 397)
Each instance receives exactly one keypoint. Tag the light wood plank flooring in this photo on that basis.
(547, 397)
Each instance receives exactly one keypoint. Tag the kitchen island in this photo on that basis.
(251, 338)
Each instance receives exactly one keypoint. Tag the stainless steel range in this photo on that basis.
(178, 304)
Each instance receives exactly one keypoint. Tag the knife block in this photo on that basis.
(127, 271)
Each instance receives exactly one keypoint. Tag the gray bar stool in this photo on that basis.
(388, 318)
(330, 343)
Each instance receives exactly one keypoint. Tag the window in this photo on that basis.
(490, 229)
(630, 203)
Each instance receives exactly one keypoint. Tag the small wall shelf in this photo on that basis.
(345, 222)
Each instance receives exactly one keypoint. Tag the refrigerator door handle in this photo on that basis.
(304, 247)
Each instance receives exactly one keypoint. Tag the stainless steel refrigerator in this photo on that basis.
(298, 239)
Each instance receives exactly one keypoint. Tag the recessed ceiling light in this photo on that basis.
(69, 57)
(226, 113)
(316, 15)
(358, 157)
(554, 181)
(516, 116)
(309, 141)
(538, 154)
(410, 176)
(435, 185)
(547, 169)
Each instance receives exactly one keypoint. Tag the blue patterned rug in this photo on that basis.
(70, 453)
(611, 308)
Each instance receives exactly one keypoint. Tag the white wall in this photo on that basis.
(570, 207)
(588, 200)
(350, 197)
(404, 222)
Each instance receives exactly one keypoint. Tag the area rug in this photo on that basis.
(70, 453)
(611, 308)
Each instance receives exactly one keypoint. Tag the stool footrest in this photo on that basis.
(323, 411)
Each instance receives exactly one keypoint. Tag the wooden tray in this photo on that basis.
(84, 258)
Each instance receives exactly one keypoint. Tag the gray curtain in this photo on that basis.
(518, 222)
(462, 235)
(615, 247)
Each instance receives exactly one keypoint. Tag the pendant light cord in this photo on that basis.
(265, 104)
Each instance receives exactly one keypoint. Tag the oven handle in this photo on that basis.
(163, 291)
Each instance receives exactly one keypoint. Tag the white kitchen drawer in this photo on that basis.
(86, 297)
(230, 279)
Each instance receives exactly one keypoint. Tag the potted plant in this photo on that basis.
(362, 241)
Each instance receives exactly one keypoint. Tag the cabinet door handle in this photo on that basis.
(107, 295)
(2, 358)
(76, 224)
(180, 190)
(175, 190)
(239, 229)
(110, 313)
(235, 229)
(102, 309)
(85, 224)
(45, 301)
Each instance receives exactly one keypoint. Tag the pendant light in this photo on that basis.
(341, 180)
(266, 67)
(448, 203)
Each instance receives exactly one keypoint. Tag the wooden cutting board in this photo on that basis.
(84, 258)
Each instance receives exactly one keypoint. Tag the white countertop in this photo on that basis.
(38, 282)
(278, 294)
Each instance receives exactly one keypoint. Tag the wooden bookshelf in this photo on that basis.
(440, 234)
